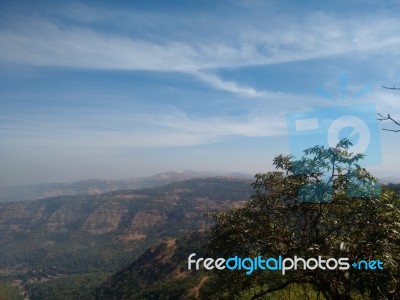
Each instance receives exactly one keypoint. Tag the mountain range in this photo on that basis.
(98, 186)
(121, 244)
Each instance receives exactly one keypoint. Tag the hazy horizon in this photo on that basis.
(386, 179)
(183, 172)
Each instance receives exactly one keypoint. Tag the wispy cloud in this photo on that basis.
(155, 130)
(229, 86)
(52, 43)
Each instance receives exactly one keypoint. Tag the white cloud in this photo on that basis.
(144, 130)
(48, 43)
(229, 86)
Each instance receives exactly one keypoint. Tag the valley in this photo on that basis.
(80, 240)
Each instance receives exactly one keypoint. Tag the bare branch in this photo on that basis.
(389, 118)
(393, 130)
(390, 88)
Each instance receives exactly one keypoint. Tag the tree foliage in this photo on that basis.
(340, 213)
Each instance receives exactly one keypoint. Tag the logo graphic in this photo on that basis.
(283, 264)
(327, 126)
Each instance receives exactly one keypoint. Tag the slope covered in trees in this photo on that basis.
(323, 205)
(48, 240)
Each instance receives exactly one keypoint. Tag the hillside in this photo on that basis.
(160, 272)
(52, 238)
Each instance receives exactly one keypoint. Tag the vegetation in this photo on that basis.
(55, 241)
(9, 292)
(394, 187)
(342, 215)
(324, 204)
(159, 273)
(69, 287)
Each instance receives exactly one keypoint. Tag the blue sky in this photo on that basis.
(97, 89)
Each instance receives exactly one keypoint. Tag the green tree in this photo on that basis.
(324, 204)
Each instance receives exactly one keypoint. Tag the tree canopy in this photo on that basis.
(323, 204)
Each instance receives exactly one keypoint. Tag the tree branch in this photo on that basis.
(393, 130)
(390, 88)
(389, 118)
(278, 288)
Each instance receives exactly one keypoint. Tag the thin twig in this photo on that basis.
(390, 88)
(389, 118)
(393, 130)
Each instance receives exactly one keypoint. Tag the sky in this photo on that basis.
(113, 90)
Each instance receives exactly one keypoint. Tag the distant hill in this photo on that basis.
(389, 179)
(42, 240)
(394, 187)
(97, 186)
